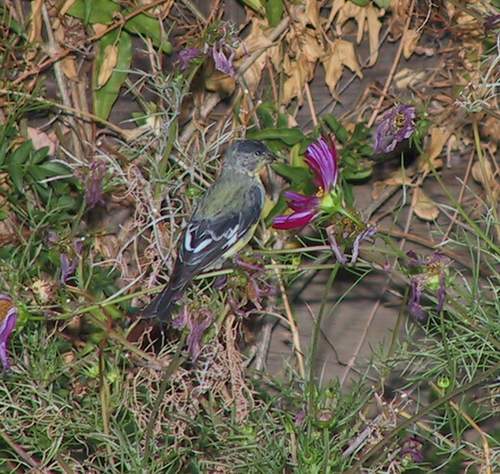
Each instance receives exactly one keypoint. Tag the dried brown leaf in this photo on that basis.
(341, 53)
(108, 64)
(410, 40)
(36, 21)
(41, 139)
(401, 177)
(257, 40)
(66, 6)
(99, 28)
(429, 159)
(425, 208)
(409, 78)
(68, 66)
(374, 26)
(485, 176)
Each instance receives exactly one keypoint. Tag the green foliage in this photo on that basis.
(105, 96)
(355, 149)
(274, 11)
(105, 11)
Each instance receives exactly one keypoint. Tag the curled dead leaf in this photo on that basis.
(409, 78)
(68, 66)
(41, 139)
(36, 21)
(402, 177)
(410, 40)
(429, 159)
(341, 53)
(425, 208)
(108, 64)
(485, 176)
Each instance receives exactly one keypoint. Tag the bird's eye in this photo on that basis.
(259, 153)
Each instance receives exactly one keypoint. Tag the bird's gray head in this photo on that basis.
(247, 155)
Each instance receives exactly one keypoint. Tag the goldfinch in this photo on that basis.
(222, 223)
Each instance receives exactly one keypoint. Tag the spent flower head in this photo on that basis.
(397, 125)
(426, 273)
(8, 319)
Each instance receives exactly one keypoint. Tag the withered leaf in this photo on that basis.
(425, 208)
(341, 53)
(108, 64)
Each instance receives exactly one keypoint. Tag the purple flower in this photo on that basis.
(68, 268)
(93, 184)
(397, 125)
(222, 62)
(197, 325)
(186, 56)
(8, 319)
(299, 418)
(426, 273)
(413, 450)
(321, 157)
(491, 22)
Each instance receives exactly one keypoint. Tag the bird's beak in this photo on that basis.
(270, 157)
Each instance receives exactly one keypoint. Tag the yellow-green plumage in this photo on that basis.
(223, 221)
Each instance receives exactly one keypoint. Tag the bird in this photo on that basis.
(223, 222)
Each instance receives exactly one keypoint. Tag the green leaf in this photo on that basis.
(15, 164)
(280, 207)
(341, 134)
(105, 97)
(94, 11)
(360, 3)
(149, 27)
(53, 168)
(382, 3)
(357, 175)
(299, 177)
(265, 113)
(289, 136)
(255, 5)
(274, 11)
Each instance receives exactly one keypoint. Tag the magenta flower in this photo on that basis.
(397, 125)
(223, 63)
(93, 184)
(197, 323)
(8, 319)
(321, 157)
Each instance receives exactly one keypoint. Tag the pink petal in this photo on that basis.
(321, 156)
(299, 202)
(295, 220)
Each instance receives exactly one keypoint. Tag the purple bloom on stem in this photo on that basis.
(68, 268)
(321, 157)
(427, 272)
(222, 62)
(93, 184)
(397, 125)
(414, 306)
(8, 319)
(197, 325)
(185, 57)
(413, 450)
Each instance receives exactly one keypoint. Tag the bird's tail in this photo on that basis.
(162, 305)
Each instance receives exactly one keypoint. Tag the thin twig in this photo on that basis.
(392, 71)
(293, 325)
